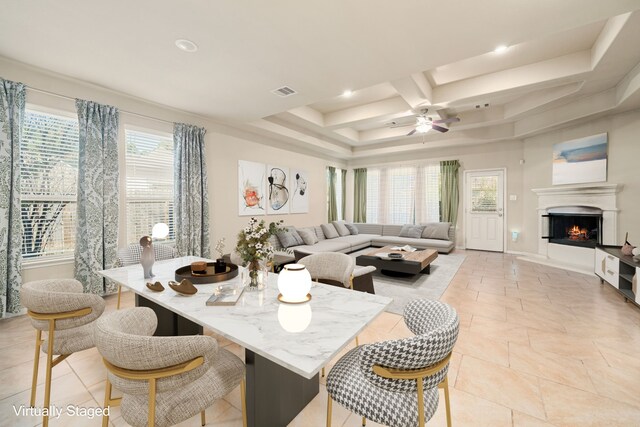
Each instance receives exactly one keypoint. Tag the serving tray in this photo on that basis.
(210, 276)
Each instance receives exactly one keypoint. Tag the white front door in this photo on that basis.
(484, 210)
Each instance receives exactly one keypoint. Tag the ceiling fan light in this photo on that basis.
(423, 128)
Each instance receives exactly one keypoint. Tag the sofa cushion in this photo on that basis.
(391, 230)
(436, 230)
(289, 237)
(308, 236)
(358, 241)
(329, 231)
(328, 245)
(410, 230)
(341, 228)
(319, 233)
(369, 228)
(352, 228)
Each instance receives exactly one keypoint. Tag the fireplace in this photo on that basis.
(575, 226)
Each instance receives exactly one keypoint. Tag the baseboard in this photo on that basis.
(538, 259)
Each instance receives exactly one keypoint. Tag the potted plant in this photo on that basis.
(256, 251)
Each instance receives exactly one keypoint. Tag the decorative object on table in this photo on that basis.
(252, 185)
(278, 190)
(294, 284)
(225, 295)
(207, 276)
(580, 160)
(199, 267)
(255, 250)
(294, 318)
(185, 287)
(148, 256)
(405, 248)
(155, 287)
(395, 255)
(627, 248)
(221, 265)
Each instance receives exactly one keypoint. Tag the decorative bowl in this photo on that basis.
(185, 287)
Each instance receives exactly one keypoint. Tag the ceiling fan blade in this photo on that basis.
(412, 132)
(449, 120)
(399, 125)
(439, 128)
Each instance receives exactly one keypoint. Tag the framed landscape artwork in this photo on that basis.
(277, 190)
(252, 186)
(299, 191)
(580, 160)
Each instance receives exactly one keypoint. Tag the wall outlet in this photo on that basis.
(513, 197)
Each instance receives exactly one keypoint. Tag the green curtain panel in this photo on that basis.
(449, 194)
(12, 97)
(332, 206)
(344, 194)
(97, 220)
(191, 194)
(360, 195)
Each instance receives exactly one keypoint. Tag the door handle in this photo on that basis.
(499, 214)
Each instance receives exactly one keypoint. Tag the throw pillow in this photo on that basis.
(308, 236)
(329, 231)
(436, 230)
(410, 230)
(340, 228)
(289, 238)
(352, 228)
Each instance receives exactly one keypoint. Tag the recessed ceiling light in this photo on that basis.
(186, 45)
(501, 48)
(347, 93)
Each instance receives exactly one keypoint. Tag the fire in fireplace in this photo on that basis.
(575, 226)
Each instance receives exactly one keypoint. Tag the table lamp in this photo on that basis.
(294, 283)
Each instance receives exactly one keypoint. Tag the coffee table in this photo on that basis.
(412, 263)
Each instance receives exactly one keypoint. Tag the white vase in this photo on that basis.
(148, 257)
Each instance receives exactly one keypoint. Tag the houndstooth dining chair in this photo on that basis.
(396, 382)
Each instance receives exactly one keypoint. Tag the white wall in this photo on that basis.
(224, 147)
(623, 168)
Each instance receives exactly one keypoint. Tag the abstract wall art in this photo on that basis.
(299, 198)
(580, 160)
(277, 190)
(252, 186)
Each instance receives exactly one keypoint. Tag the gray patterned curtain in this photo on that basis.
(97, 228)
(191, 207)
(12, 97)
(360, 195)
(332, 207)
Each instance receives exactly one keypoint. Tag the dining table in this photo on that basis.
(285, 345)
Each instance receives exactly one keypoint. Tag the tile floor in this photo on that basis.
(538, 346)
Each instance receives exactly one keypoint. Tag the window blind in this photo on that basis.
(149, 178)
(48, 174)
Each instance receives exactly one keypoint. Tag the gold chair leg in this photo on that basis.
(107, 401)
(445, 385)
(420, 403)
(36, 363)
(243, 397)
(328, 411)
(203, 419)
(119, 293)
(47, 384)
(152, 402)
(322, 372)
(364, 421)
(357, 342)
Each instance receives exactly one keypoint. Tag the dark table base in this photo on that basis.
(275, 395)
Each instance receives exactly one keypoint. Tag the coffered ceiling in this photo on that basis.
(567, 61)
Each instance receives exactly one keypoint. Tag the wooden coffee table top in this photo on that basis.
(424, 257)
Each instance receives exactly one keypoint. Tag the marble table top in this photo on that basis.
(299, 337)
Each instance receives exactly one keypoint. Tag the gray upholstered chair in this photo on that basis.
(361, 280)
(60, 308)
(132, 253)
(396, 382)
(164, 380)
(330, 267)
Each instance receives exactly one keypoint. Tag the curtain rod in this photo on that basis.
(120, 110)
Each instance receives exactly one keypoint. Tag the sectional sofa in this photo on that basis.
(331, 237)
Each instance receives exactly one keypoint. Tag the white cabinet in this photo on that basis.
(607, 267)
(636, 282)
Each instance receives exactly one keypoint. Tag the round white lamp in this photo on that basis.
(294, 318)
(160, 231)
(294, 283)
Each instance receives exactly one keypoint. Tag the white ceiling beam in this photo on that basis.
(606, 38)
(308, 114)
(381, 110)
(415, 90)
(539, 98)
(351, 134)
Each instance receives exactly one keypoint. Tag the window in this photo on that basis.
(403, 194)
(48, 174)
(149, 171)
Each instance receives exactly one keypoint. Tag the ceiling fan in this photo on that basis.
(425, 123)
